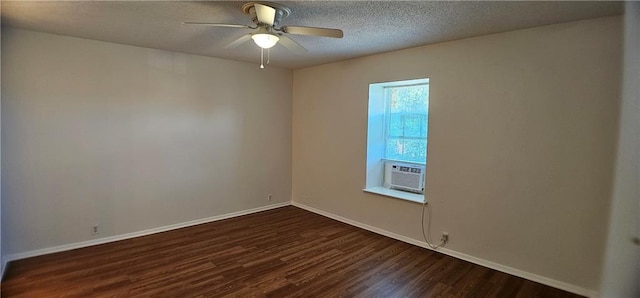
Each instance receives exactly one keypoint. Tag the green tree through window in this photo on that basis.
(407, 112)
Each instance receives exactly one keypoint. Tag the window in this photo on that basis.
(406, 111)
(397, 135)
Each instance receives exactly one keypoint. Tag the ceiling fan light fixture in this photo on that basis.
(265, 40)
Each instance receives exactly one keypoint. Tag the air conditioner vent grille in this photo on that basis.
(407, 178)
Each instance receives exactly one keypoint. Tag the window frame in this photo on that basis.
(376, 159)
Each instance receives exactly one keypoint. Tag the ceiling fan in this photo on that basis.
(267, 17)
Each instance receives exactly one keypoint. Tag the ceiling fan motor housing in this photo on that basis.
(281, 11)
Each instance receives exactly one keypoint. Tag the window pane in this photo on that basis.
(395, 125)
(407, 125)
(413, 125)
(409, 99)
(393, 150)
(414, 150)
(406, 149)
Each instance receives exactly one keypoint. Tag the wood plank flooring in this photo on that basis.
(283, 252)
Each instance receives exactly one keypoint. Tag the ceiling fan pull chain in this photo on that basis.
(261, 58)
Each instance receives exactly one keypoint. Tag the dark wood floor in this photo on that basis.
(282, 252)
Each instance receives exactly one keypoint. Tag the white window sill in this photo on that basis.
(398, 194)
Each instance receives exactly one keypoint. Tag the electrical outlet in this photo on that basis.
(270, 197)
(95, 230)
(445, 237)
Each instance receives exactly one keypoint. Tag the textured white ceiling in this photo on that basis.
(369, 26)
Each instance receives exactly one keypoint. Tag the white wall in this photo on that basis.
(522, 133)
(133, 138)
(621, 277)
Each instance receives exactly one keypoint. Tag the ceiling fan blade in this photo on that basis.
(218, 25)
(292, 45)
(265, 14)
(327, 32)
(239, 41)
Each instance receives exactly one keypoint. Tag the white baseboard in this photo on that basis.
(49, 250)
(506, 269)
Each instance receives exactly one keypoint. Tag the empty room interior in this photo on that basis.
(320, 149)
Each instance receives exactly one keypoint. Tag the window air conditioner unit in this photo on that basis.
(407, 177)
